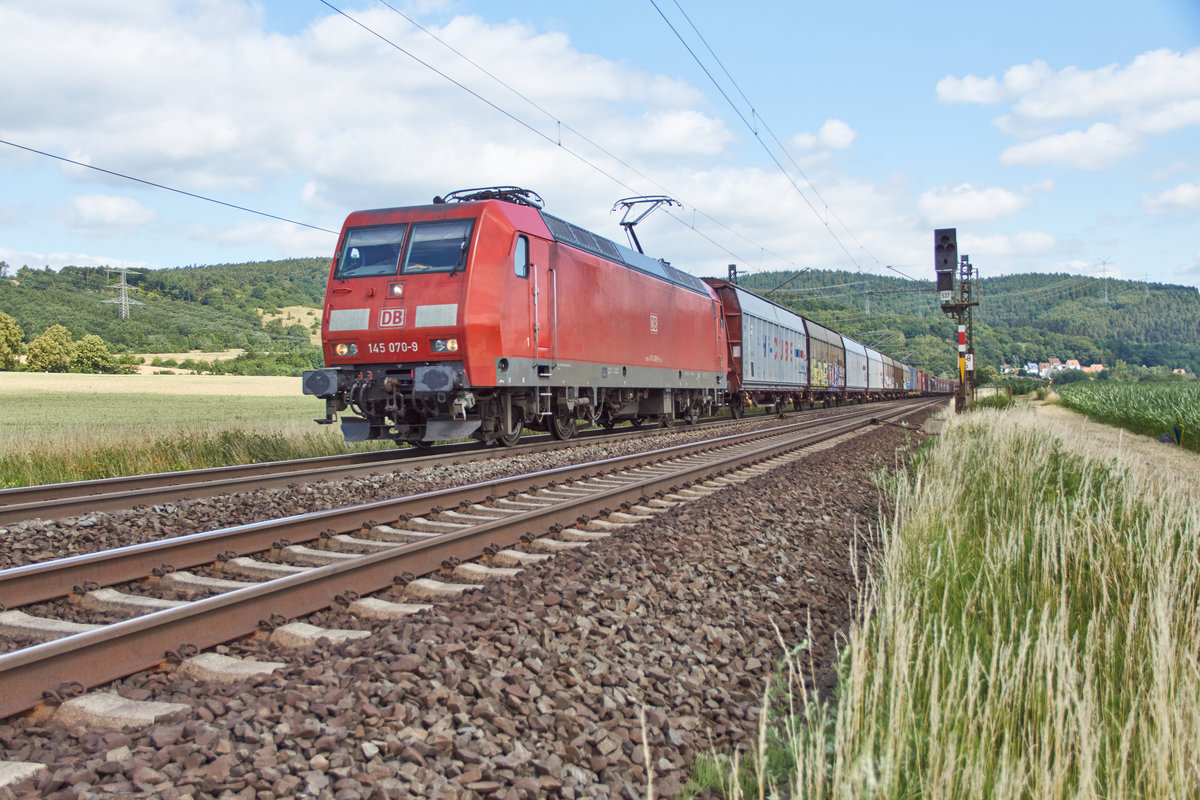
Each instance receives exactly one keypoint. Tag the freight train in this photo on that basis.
(481, 315)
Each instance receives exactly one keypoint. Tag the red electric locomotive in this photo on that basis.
(481, 315)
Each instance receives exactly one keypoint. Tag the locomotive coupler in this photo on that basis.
(462, 401)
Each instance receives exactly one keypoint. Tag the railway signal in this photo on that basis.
(945, 261)
(957, 304)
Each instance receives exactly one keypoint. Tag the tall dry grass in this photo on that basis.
(1031, 628)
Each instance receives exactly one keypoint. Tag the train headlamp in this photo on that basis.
(444, 345)
(345, 349)
(395, 290)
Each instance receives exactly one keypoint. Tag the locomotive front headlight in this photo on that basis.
(345, 349)
(444, 345)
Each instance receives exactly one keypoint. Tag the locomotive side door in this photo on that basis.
(541, 284)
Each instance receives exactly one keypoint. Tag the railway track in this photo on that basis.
(62, 500)
(268, 573)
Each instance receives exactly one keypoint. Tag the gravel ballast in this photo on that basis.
(529, 687)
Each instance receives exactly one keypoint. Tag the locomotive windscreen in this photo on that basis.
(371, 252)
(439, 246)
(431, 247)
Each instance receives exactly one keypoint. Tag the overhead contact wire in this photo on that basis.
(766, 149)
(551, 116)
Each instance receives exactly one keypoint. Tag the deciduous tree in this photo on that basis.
(52, 351)
(11, 337)
(92, 355)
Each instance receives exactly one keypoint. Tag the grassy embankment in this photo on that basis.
(1030, 629)
(56, 428)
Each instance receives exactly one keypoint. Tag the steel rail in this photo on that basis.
(61, 500)
(99, 656)
(47, 580)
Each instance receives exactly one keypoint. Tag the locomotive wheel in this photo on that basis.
(511, 438)
(607, 422)
(692, 416)
(563, 427)
(737, 410)
(423, 444)
(637, 422)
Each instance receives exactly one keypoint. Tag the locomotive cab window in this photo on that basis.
(438, 246)
(371, 252)
(521, 257)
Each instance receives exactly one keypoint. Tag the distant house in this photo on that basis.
(1180, 371)
(1056, 365)
(1032, 368)
(1044, 369)
(1073, 363)
(1006, 369)
(1094, 368)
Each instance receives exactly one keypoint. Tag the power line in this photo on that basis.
(758, 138)
(166, 188)
(560, 125)
(755, 115)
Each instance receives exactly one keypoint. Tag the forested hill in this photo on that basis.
(1020, 318)
(188, 308)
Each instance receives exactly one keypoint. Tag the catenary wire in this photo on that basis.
(767, 150)
(584, 138)
(165, 187)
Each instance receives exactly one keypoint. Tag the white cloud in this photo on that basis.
(966, 202)
(1184, 197)
(1192, 268)
(1017, 81)
(1087, 118)
(1099, 146)
(17, 259)
(833, 135)
(1018, 244)
(1172, 169)
(1046, 185)
(105, 215)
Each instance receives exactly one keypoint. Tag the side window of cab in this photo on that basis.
(521, 257)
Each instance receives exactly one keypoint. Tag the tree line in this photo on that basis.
(1021, 318)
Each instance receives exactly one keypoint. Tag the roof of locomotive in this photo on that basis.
(567, 233)
(518, 204)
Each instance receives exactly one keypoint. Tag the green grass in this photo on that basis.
(996, 401)
(77, 436)
(1030, 628)
(1152, 409)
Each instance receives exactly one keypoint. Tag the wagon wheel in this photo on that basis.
(637, 422)
(421, 444)
(737, 409)
(563, 427)
(607, 422)
(692, 416)
(511, 438)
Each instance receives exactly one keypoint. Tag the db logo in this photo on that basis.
(391, 318)
(654, 323)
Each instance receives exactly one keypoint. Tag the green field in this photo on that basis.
(56, 428)
(1152, 409)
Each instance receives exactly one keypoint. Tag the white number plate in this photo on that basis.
(391, 348)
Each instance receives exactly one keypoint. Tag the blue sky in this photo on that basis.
(1057, 137)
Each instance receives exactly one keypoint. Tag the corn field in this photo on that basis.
(1152, 409)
